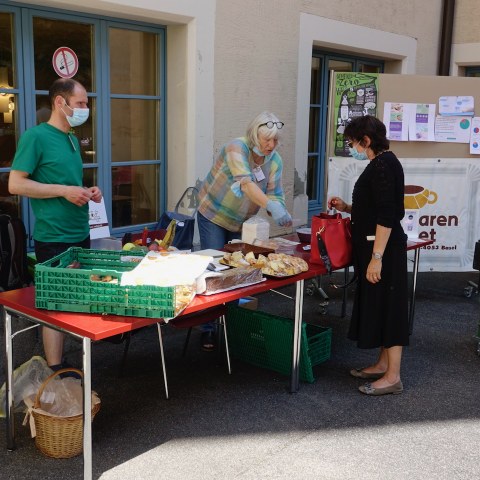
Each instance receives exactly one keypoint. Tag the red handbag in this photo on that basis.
(331, 242)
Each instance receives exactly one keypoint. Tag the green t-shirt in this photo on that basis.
(51, 156)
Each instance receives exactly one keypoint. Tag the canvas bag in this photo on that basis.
(331, 241)
(185, 222)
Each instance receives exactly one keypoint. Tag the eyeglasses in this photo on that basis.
(271, 124)
(350, 144)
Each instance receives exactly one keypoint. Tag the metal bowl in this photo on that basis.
(304, 234)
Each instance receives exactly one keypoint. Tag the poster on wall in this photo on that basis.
(475, 136)
(421, 124)
(395, 118)
(462, 105)
(356, 94)
(445, 193)
(452, 129)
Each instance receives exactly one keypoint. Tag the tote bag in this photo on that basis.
(331, 241)
(184, 230)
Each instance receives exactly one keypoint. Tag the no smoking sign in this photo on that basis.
(65, 62)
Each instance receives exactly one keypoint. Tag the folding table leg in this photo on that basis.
(87, 408)
(344, 294)
(10, 416)
(297, 332)
(411, 312)
(160, 340)
(224, 325)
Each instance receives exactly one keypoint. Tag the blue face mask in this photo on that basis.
(358, 155)
(260, 154)
(78, 117)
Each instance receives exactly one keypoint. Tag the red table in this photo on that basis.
(93, 327)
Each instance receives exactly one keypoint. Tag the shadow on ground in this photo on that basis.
(209, 407)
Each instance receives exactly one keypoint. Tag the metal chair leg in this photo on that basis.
(125, 354)
(187, 339)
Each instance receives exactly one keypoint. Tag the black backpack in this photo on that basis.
(13, 254)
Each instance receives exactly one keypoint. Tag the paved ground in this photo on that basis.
(246, 426)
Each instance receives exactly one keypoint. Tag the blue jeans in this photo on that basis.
(212, 235)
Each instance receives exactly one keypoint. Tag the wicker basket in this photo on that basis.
(59, 437)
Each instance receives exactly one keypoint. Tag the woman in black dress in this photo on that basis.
(380, 309)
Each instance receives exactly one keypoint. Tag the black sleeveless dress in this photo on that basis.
(380, 311)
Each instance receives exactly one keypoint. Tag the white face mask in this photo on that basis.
(78, 117)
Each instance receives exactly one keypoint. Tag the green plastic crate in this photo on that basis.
(70, 289)
(266, 340)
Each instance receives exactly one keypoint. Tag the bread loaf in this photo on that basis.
(232, 278)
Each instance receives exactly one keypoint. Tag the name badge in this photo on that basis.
(259, 175)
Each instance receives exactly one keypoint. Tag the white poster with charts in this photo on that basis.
(475, 136)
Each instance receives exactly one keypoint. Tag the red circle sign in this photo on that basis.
(65, 62)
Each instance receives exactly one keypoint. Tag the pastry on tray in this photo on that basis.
(275, 264)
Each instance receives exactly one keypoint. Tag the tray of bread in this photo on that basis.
(273, 265)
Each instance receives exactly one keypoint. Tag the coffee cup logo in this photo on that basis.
(417, 197)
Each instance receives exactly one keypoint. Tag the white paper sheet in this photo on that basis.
(395, 118)
(97, 219)
(462, 105)
(421, 123)
(475, 136)
(410, 223)
(452, 129)
(167, 270)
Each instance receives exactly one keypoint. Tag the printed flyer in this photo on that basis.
(421, 123)
(356, 94)
(452, 129)
(462, 105)
(98, 220)
(475, 136)
(395, 118)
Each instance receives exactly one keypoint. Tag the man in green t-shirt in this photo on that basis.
(48, 169)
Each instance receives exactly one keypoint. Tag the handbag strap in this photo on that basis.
(345, 285)
(328, 264)
(322, 249)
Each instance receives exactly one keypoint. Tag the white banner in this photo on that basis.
(447, 194)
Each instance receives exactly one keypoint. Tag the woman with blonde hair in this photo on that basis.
(246, 176)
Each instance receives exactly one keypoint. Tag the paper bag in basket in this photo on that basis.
(331, 242)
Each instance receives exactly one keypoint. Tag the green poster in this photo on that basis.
(356, 94)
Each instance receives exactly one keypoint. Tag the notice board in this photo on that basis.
(442, 179)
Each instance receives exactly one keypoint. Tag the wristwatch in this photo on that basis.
(377, 256)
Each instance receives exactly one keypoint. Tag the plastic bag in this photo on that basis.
(27, 379)
(62, 397)
(216, 282)
(255, 228)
